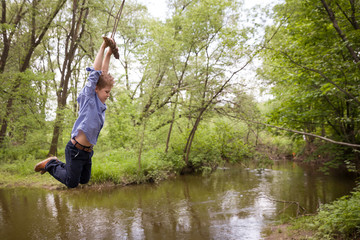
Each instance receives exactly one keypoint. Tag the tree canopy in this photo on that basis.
(313, 66)
(180, 80)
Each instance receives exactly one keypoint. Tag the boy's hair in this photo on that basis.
(105, 80)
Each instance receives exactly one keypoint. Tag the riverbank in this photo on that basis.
(287, 231)
(336, 220)
(11, 180)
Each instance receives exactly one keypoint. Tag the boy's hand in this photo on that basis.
(111, 43)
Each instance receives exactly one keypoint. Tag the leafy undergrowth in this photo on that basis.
(337, 220)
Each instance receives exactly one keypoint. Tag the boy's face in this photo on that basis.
(103, 94)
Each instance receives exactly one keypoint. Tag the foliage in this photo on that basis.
(121, 132)
(28, 115)
(313, 70)
(178, 101)
(121, 167)
(339, 219)
(23, 167)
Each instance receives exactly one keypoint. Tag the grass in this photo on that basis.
(116, 167)
(21, 173)
(122, 167)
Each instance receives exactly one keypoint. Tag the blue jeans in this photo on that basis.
(76, 170)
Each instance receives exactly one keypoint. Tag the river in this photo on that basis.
(232, 203)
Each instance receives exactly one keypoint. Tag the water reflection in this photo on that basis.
(231, 204)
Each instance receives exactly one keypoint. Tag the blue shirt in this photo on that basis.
(92, 111)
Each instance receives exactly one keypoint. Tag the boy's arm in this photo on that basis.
(99, 57)
(106, 62)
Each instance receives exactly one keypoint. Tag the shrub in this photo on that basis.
(121, 166)
(339, 219)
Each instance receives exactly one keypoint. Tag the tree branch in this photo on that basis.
(299, 207)
(340, 32)
(305, 133)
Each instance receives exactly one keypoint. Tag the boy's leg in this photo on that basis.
(86, 173)
(79, 169)
(57, 170)
(40, 167)
(86, 170)
(69, 173)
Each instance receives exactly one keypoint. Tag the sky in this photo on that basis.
(158, 8)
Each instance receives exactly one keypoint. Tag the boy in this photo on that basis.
(84, 135)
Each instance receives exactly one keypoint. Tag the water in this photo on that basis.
(233, 203)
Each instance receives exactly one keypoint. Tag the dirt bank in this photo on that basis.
(285, 232)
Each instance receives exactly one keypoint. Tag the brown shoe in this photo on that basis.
(40, 167)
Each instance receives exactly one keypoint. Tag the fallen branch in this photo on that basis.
(299, 211)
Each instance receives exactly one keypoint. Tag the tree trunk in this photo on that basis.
(7, 38)
(172, 123)
(342, 35)
(191, 136)
(206, 104)
(78, 24)
(55, 137)
(4, 123)
(142, 137)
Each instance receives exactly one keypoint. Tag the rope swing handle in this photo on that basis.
(110, 43)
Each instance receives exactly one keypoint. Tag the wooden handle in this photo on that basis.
(112, 45)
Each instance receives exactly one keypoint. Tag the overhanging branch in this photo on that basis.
(308, 134)
(299, 132)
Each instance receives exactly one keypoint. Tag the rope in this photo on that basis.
(118, 15)
(110, 43)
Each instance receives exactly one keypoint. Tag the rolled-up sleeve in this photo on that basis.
(92, 80)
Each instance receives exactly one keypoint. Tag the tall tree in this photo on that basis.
(35, 24)
(73, 36)
(214, 42)
(9, 25)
